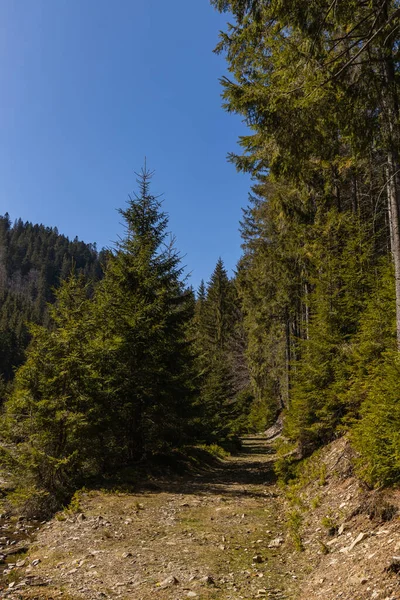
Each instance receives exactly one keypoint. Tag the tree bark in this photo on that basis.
(391, 115)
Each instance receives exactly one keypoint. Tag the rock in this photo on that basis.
(258, 558)
(127, 555)
(17, 550)
(341, 529)
(331, 542)
(208, 580)
(35, 562)
(191, 595)
(358, 539)
(261, 593)
(21, 563)
(170, 581)
(276, 542)
(394, 566)
(81, 517)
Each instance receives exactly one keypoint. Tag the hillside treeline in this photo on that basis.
(33, 261)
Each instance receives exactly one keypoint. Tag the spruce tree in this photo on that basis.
(55, 413)
(145, 312)
(215, 318)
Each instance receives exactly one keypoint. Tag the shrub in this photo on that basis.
(376, 435)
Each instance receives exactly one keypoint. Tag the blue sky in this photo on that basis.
(90, 87)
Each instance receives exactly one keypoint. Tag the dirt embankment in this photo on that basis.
(227, 533)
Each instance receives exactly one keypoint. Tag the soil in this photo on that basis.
(226, 533)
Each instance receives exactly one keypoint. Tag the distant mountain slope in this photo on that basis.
(33, 261)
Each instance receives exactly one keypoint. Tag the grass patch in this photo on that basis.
(294, 523)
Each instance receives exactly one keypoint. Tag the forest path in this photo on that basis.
(213, 535)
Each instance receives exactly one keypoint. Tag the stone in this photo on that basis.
(168, 582)
(276, 542)
(191, 595)
(394, 566)
(258, 558)
(20, 563)
(35, 562)
(208, 580)
(396, 559)
(127, 555)
(358, 539)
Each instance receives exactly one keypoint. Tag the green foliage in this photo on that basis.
(220, 343)
(143, 313)
(321, 104)
(74, 505)
(330, 524)
(33, 261)
(294, 524)
(287, 463)
(214, 450)
(54, 415)
(340, 291)
(285, 468)
(110, 380)
(377, 434)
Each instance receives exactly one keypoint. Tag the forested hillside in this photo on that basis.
(34, 259)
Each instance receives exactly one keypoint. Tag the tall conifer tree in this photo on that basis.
(146, 311)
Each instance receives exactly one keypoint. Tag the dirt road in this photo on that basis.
(216, 535)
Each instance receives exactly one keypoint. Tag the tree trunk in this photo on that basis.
(391, 110)
(394, 221)
(288, 359)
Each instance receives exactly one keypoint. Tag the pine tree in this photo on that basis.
(54, 414)
(216, 316)
(145, 311)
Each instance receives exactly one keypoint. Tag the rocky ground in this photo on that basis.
(227, 533)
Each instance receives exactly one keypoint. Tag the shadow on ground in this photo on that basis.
(251, 468)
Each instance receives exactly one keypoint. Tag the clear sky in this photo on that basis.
(90, 87)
